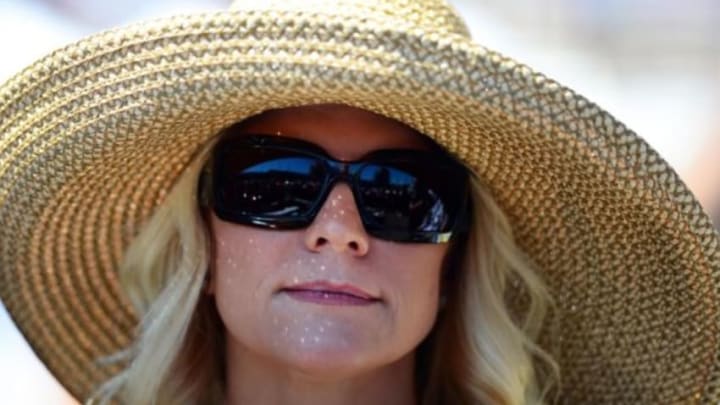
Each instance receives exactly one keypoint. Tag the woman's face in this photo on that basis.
(256, 269)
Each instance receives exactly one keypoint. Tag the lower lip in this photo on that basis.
(328, 298)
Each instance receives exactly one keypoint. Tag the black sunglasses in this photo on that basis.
(277, 182)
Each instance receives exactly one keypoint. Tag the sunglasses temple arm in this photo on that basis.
(204, 188)
(464, 219)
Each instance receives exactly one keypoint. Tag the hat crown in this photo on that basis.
(427, 15)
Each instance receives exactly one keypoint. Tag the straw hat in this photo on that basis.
(93, 136)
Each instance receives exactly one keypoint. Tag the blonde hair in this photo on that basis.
(479, 352)
(483, 351)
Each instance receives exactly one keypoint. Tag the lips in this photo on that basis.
(324, 292)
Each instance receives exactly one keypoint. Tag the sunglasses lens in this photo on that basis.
(403, 200)
(268, 184)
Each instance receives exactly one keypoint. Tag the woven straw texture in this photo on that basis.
(93, 135)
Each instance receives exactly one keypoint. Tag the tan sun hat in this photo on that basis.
(93, 136)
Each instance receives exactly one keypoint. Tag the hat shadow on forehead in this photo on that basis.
(345, 132)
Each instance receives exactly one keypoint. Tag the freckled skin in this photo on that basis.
(329, 343)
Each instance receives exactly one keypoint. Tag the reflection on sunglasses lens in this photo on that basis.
(398, 200)
(279, 187)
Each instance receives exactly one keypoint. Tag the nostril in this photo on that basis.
(354, 245)
(321, 241)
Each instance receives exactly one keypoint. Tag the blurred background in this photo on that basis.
(653, 64)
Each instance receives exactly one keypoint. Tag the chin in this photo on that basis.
(332, 363)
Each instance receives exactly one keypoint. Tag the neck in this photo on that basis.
(254, 379)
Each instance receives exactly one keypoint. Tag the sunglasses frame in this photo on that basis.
(335, 171)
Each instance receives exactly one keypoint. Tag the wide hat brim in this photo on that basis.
(93, 136)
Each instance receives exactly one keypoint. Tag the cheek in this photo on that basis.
(237, 257)
(413, 273)
(243, 271)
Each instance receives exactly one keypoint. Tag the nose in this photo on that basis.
(338, 225)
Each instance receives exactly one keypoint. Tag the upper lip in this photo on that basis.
(333, 287)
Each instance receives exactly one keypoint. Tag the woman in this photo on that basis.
(128, 167)
(330, 308)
